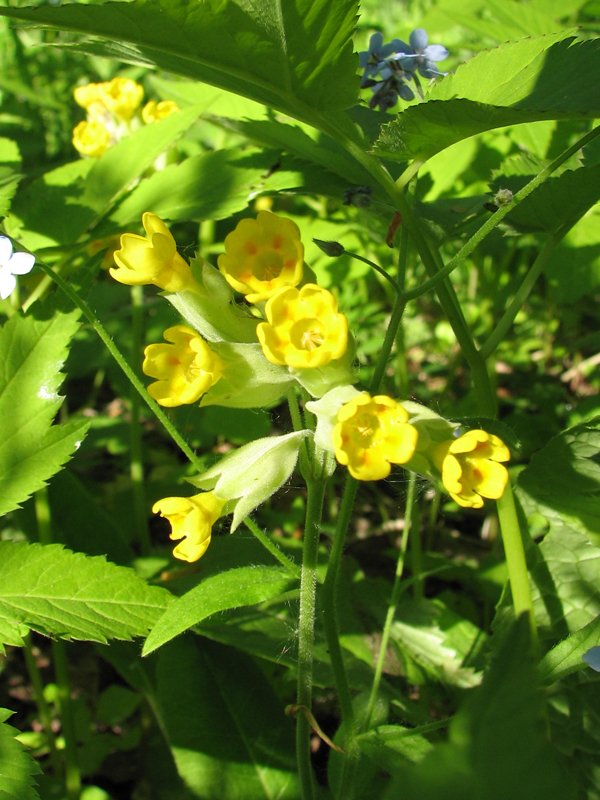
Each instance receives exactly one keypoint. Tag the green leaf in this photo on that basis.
(534, 79)
(437, 639)
(283, 54)
(17, 768)
(224, 723)
(245, 586)
(10, 162)
(566, 594)
(32, 353)
(386, 745)
(567, 656)
(212, 185)
(574, 266)
(563, 479)
(497, 746)
(56, 592)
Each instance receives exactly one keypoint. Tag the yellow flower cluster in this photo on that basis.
(112, 112)
(302, 332)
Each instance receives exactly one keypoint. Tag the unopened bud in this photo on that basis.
(333, 249)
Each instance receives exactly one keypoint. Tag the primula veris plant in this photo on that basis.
(472, 467)
(186, 367)
(304, 328)
(262, 255)
(371, 434)
(191, 520)
(152, 258)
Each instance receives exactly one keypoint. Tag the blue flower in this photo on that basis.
(374, 60)
(426, 54)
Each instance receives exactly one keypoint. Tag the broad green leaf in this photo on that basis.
(386, 745)
(59, 593)
(113, 173)
(17, 767)
(567, 656)
(497, 746)
(534, 79)
(287, 55)
(563, 479)
(212, 185)
(566, 592)
(245, 586)
(32, 353)
(226, 727)
(574, 266)
(438, 640)
(209, 98)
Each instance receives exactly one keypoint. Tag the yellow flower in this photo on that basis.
(152, 259)
(191, 520)
(371, 434)
(154, 111)
(86, 96)
(185, 369)
(91, 139)
(121, 96)
(263, 255)
(304, 328)
(471, 468)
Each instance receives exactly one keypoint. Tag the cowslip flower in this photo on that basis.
(304, 328)
(11, 265)
(191, 520)
(471, 467)
(154, 111)
(91, 138)
(152, 258)
(186, 367)
(371, 434)
(121, 97)
(262, 255)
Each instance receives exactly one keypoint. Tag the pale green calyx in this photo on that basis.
(251, 474)
(326, 410)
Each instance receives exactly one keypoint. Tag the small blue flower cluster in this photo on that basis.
(388, 67)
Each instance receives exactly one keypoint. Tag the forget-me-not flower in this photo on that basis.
(12, 264)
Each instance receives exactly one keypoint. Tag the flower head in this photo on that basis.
(426, 54)
(304, 328)
(191, 520)
(91, 138)
(152, 258)
(186, 368)
(374, 60)
(371, 434)
(262, 255)
(12, 264)
(471, 467)
(121, 97)
(154, 111)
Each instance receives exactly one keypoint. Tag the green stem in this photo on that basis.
(122, 363)
(396, 590)
(42, 706)
(278, 554)
(374, 266)
(306, 630)
(521, 295)
(516, 562)
(61, 670)
(136, 463)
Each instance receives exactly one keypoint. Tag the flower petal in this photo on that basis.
(21, 263)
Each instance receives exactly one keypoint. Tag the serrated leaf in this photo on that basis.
(567, 656)
(244, 586)
(72, 596)
(224, 723)
(17, 767)
(534, 79)
(282, 54)
(32, 353)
